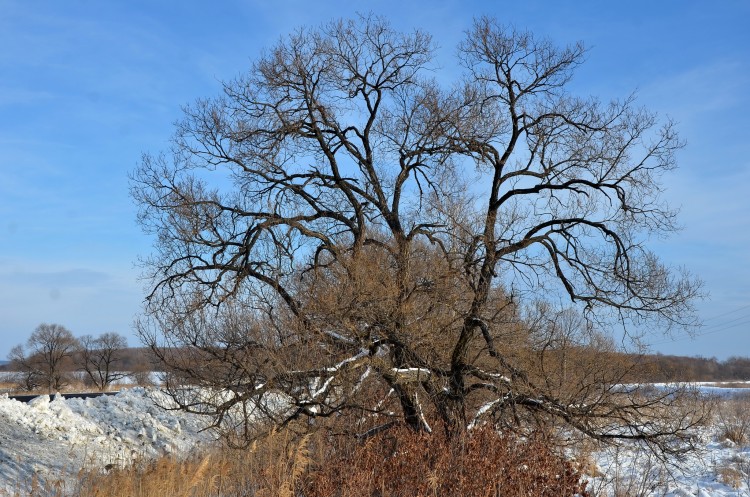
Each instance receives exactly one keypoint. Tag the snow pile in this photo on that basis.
(55, 439)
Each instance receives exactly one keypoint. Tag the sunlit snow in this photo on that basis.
(56, 438)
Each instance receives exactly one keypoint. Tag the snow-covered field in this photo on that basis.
(51, 439)
(714, 470)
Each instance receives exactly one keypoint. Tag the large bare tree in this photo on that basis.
(339, 233)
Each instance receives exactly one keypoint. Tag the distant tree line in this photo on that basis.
(52, 359)
(680, 368)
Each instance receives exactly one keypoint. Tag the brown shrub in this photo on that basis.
(402, 463)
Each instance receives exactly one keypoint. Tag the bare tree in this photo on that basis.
(100, 358)
(337, 233)
(47, 360)
(26, 375)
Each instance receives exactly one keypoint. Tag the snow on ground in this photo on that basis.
(52, 439)
(55, 439)
(714, 470)
(718, 468)
(712, 388)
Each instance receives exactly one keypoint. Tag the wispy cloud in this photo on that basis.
(57, 279)
(716, 85)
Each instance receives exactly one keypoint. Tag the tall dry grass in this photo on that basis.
(197, 476)
(732, 416)
(271, 467)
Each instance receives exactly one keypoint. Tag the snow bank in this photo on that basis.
(55, 439)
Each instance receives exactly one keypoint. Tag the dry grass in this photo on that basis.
(736, 470)
(730, 476)
(13, 388)
(272, 467)
(197, 476)
(8, 387)
(733, 418)
(731, 384)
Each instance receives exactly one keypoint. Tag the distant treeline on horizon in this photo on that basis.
(682, 368)
(652, 367)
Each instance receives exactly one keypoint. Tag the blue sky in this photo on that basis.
(87, 86)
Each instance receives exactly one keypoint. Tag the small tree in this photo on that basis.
(47, 360)
(26, 375)
(100, 358)
(337, 233)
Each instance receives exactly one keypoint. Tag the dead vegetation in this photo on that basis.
(733, 418)
(396, 463)
(403, 463)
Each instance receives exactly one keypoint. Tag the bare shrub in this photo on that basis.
(733, 419)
